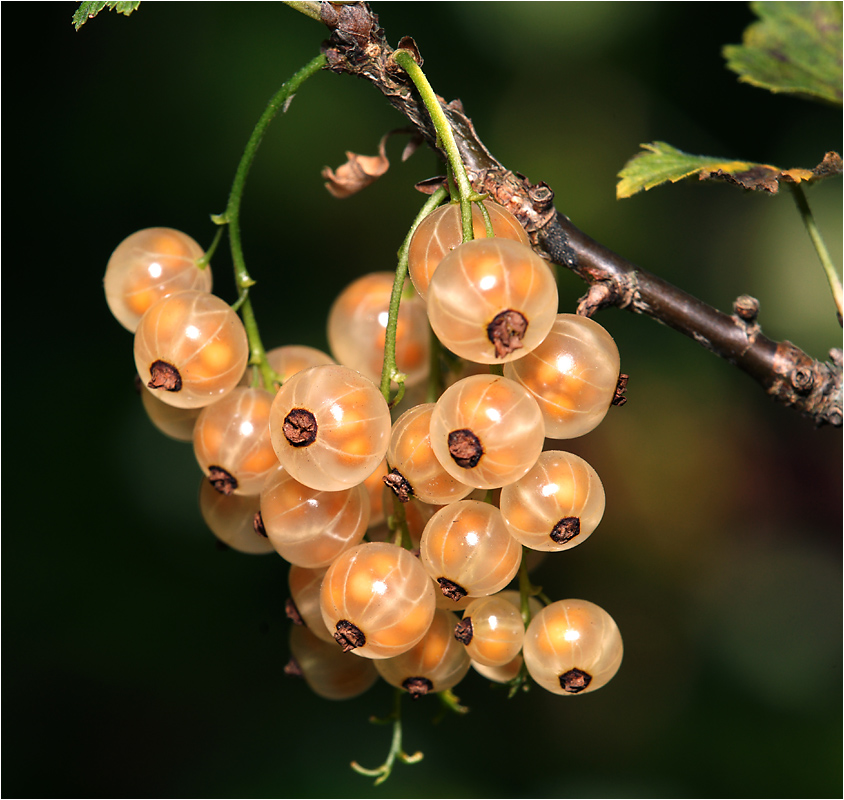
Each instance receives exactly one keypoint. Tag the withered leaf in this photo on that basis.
(661, 163)
(358, 172)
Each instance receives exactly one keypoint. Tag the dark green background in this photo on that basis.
(140, 660)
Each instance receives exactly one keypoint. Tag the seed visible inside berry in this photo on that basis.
(164, 376)
(300, 427)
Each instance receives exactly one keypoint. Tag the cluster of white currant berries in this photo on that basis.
(311, 470)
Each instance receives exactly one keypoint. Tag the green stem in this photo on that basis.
(390, 372)
(231, 216)
(309, 9)
(526, 589)
(383, 772)
(820, 246)
(404, 58)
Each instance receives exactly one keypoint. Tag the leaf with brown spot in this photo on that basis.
(661, 163)
(795, 48)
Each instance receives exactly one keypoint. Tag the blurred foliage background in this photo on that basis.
(141, 660)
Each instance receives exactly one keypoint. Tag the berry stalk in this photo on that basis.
(383, 772)
(389, 371)
(231, 216)
(445, 137)
(819, 244)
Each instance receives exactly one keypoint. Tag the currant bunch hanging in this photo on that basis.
(403, 518)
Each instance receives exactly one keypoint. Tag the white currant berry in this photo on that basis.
(442, 230)
(378, 600)
(149, 265)
(487, 431)
(330, 427)
(328, 671)
(573, 375)
(468, 550)
(556, 505)
(436, 663)
(492, 300)
(191, 348)
(572, 647)
(310, 527)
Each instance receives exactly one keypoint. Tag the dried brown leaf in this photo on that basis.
(358, 172)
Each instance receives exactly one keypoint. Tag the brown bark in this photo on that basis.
(357, 46)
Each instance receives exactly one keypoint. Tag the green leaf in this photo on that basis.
(90, 10)
(660, 162)
(795, 47)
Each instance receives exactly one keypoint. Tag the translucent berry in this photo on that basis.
(304, 584)
(310, 527)
(191, 349)
(177, 423)
(502, 674)
(374, 486)
(357, 325)
(572, 374)
(572, 647)
(468, 550)
(416, 471)
(556, 505)
(438, 662)
(487, 431)
(491, 630)
(441, 231)
(492, 300)
(231, 441)
(378, 600)
(231, 519)
(328, 671)
(149, 265)
(330, 427)
(289, 359)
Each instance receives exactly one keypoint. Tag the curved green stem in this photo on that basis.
(383, 772)
(231, 216)
(390, 372)
(820, 246)
(404, 58)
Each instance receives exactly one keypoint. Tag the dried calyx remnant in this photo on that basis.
(164, 376)
(292, 612)
(465, 448)
(453, 591)
(565, 530)
(416, 687)
(222, 480)
(575, 680)
(348, 636)
(463, 631)
(258, 525)
(398, 483)
(300, 427)
(506, 332)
